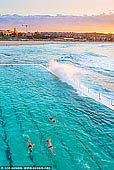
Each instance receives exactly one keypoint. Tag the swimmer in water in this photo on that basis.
(30, 146)
(49, 144)
(52, 119)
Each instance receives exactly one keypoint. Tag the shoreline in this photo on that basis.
(21, 43)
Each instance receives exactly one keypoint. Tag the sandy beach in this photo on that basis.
(17, 43)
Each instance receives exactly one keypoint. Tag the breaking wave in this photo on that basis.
(72, 75)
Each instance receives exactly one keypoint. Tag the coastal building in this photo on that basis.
(6, 32)
(15, 32)
(59, 36)
(9, 32)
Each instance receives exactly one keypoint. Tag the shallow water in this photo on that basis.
(83, 137)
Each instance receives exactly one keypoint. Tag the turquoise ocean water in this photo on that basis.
(83, 136)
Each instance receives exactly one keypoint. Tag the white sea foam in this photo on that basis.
(71, 75)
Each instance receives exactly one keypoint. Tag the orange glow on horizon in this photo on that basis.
(87, 28)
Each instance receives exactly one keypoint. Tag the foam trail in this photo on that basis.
(71, 75)
(27, 136)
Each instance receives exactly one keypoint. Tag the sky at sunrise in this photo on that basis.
(53, 7)
(64, 7)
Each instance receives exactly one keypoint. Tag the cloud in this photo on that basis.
(98, 23)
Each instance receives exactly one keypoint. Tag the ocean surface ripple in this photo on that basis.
(83, 136)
